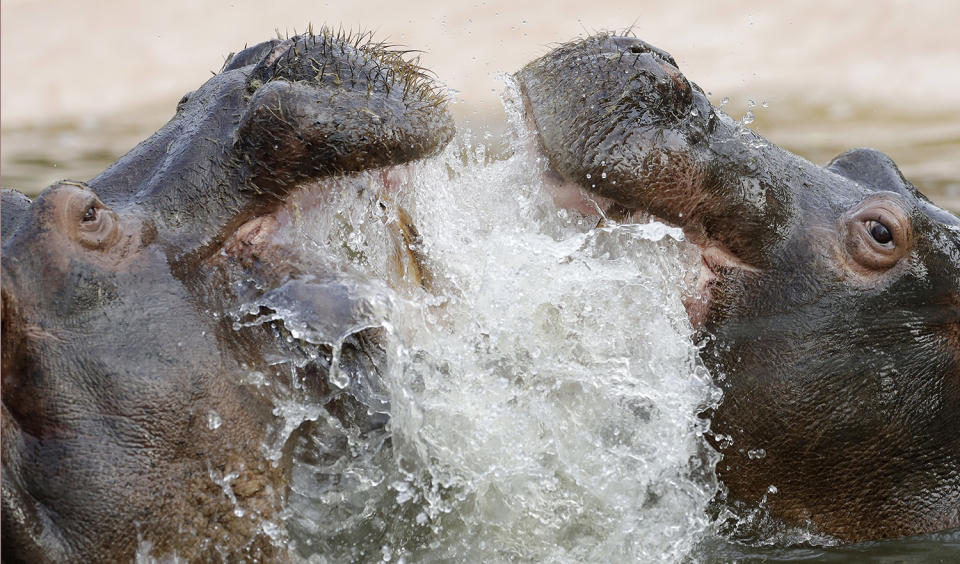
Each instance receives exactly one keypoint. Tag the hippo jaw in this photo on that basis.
(118, 346)
(831, 310)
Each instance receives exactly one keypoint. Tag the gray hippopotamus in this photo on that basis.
(129, 423)
(829, 297)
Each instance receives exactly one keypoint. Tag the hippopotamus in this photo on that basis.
(828, 302)
(131, 424)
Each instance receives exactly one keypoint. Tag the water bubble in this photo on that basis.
(756, 454)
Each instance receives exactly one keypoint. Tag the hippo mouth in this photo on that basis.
(270, 236)
(716, 265)
(717, 262)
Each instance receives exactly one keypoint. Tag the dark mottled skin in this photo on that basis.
(838, 354)
(119, 298)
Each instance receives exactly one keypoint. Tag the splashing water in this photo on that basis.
(542, 395)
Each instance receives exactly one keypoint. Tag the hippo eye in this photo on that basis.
(879, 232)
(98, 228)
(90, 215)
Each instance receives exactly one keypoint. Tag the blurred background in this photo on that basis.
(82, 81)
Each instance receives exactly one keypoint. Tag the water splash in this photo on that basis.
(543, 393)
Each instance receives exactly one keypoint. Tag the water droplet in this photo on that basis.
(772, 489)
(603, 175)
(213, 420)
(756, 454)
(588, 176)
(747, 117)
(337, 377)
(724, 441)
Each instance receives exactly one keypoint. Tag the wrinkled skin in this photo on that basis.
(126, 419)
(829, 307)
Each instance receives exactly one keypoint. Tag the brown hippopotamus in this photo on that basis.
(829, 302)
(129, 421)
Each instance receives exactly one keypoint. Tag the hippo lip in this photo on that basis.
(716, 262)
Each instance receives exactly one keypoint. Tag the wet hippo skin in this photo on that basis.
(127, 422)
(829, 298)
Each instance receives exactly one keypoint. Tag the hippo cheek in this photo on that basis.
(109, 373)
(107, 433)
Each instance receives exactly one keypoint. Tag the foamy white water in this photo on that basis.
(541, 398)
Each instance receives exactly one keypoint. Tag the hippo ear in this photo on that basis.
(14, 207)
(322, 106)
(249, 55)
(872, 169)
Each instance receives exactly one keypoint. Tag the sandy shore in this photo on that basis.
(62, 59)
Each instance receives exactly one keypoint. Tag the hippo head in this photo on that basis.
(828, 303)
(126, 422)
